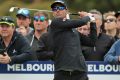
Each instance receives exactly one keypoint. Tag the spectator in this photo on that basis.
(113, 55)
(102, 44)
(23, 19)
(110, 24)
(14, 47)
(40, 27)
(85, 29)
(117, 15)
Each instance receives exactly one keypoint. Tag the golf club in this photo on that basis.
(13, 8)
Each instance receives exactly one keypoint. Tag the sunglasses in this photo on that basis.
(58, 8)
(23, 11)
(39, 18)
(110, 20)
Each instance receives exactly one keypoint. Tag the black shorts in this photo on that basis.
(70, 75)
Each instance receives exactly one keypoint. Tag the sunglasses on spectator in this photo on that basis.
(39, 18)
(24, 12)
(55, 8)
(110, 20)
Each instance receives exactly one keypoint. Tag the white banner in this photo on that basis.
(44, 70)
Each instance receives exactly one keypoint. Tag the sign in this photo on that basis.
(45, 70)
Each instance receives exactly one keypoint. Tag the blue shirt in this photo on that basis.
(113, 54)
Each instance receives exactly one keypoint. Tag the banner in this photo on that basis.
(45, 70)
(47, 67)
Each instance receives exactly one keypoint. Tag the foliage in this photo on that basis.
(73, 5)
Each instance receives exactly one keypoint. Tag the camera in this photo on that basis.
(2, 52)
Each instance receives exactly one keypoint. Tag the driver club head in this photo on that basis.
(11, 9)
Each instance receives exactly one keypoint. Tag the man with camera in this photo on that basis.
(14, 48)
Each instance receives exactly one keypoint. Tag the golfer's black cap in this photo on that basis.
(58, 2)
